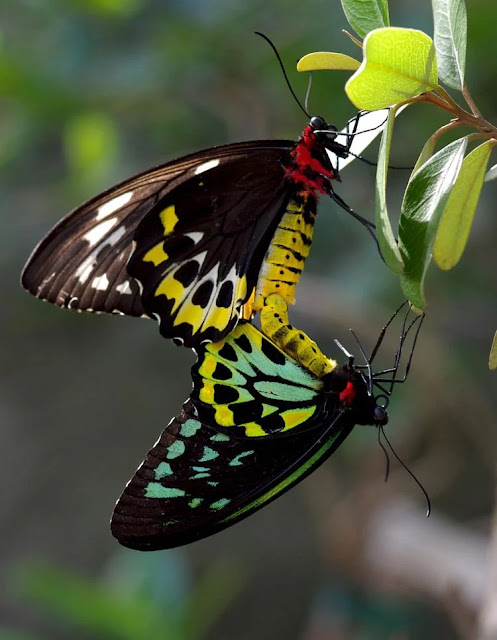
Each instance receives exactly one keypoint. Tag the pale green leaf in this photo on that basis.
(327, 61)
(450, 38)
(492, 359)
(91, 141)
(491, 173)
(426, 153)
(366, 15)
(384, 233)
(457, 217)
(398, 64)
(424, 200)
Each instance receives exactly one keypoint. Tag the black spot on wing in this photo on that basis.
(187, 273)
(271, 352)
(243, 343)
(221, 372)
(228, 353)
(225, 295)
(202, 295)
(224, 394)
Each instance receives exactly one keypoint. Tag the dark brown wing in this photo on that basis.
(82, 263)
(199, 251)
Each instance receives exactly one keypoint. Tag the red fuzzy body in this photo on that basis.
(348, 395)
(307, 169)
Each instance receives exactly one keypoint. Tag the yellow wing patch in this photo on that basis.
(172, 289)
(224, 416)
(169, 219)
(156, 255)
(294, 417)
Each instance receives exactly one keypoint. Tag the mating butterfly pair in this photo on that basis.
(199, 244)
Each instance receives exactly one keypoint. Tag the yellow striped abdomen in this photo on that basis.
(285, 258)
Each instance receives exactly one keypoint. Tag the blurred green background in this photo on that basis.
(92, 91)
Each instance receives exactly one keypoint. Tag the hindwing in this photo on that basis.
(196, 481)
(247, 387)
(200, 477)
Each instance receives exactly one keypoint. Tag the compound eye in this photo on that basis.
(380, 415)
(318, 123)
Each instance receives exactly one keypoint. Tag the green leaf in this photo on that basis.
(450, 38)
(327, 61)
(110, 8)
(491, 174)
(366, 15)
(398, 64)
(213, 594)
(424, 200)
(91, 143)
(386, 239)
(5, 634)
(94, 608)
(492, 359)
(426, 152)
(457, 217)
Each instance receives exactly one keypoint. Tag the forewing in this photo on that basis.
(196, 481)
(82, 263)
(199, 251)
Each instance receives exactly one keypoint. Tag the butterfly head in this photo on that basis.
(326, 135)
(349, 388)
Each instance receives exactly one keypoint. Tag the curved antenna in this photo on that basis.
(283, 70)
(308, 92)
(425, 493)
(367, 366)
(387, 467)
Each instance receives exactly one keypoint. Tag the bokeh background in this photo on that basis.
(92, 91)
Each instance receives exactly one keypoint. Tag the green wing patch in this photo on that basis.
(249, 387)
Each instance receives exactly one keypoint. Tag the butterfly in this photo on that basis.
(256, 423)
(196, 243)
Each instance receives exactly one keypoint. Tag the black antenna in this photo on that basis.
(284, 71)
(387, 467)
(367, 365)
(425, 493)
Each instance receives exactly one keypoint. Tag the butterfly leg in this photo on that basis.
(295, 343)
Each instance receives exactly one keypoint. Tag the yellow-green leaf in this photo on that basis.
(426, 153)
(457, 217)
(491, 173)
(424, 200)
(398, 64)
(366, 15)
(492, 360)
(326, 60)
(384, 233)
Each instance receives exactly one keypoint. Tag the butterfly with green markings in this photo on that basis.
(256, 423)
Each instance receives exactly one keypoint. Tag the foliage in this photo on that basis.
(141, 598)
(403, 67)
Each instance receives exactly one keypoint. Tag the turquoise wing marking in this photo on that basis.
(247, 385)
(213, 480)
